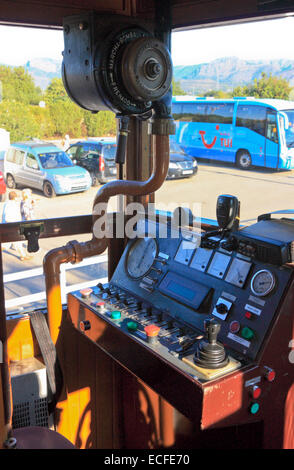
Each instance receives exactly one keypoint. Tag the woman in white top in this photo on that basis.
(11, 213)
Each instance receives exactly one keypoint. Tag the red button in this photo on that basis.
(255, 391)
(248, 315)
(270, 374)
(151, 330)
(234, 326)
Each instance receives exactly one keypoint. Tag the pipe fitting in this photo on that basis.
(74, 252)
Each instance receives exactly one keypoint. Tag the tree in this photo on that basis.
(176, 87)
(66, 117)
(56, 92)
(18, 85)
(265, 87)
(17, 119)
(100, 124)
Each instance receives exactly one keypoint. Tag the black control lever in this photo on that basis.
(210, 354)
(122, 142)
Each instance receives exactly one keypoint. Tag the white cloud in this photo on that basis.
(271, 39)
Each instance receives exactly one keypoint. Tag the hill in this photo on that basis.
(228, 72)
(221, 74)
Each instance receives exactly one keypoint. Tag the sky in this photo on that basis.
(269, 39)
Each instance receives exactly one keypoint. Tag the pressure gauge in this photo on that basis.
(140, 257)
(262, 282)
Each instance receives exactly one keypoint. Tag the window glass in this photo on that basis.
(109, 151)
(220, 113)
(194, 112)
(290, 131)
(10, 155)
(271, 129)
(55, 160)
(31, 162)
(19, 156)
(72, 151)
(253, 117)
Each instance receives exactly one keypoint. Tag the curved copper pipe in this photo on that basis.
(74, 252)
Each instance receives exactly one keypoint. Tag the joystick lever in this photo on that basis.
(212, 329)
(210, 354)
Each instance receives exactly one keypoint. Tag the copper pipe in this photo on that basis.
(75, 252)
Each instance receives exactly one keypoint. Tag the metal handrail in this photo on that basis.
(29, 273)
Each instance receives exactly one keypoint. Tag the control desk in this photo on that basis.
(184, 318)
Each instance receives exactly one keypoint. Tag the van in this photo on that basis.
(97, 156)
(43, 166)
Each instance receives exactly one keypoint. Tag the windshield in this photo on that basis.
(54, 160)
(175, 148)
(290, 131)
(109, 151)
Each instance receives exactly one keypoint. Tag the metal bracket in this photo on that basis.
(32, 233)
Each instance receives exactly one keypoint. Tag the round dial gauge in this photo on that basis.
(141, 256)
(262, 282)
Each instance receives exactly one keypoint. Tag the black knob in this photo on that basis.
(100, 286)
(221, 308)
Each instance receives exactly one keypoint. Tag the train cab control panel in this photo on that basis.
(180, 315)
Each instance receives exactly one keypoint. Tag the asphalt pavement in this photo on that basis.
(258, 190)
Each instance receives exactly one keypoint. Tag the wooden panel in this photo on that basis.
(195, 12)
(61, 226)
(22, 343)
(45, 13)
(2, 420)
(87, 413)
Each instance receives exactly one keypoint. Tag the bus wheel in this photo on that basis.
(243, 160)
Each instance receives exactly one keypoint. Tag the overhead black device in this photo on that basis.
(114, 63)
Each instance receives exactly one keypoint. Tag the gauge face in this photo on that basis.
(141, 256)
(262, 282)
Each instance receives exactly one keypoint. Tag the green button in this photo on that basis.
(247, 333)
(254, 407)
(132, 326)
(115, 315)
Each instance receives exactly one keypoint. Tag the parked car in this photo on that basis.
(181, 165)
(43, 166)
(97, 156)
(2, 187)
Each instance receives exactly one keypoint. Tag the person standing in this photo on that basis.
(27, 205)
(66, 142)
(11, 213)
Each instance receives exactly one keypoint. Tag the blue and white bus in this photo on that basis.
(245, 131)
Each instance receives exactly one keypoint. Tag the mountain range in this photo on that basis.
(221, 74)
(228, 72)
(43, 70)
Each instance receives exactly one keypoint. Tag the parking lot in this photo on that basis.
(259, 191)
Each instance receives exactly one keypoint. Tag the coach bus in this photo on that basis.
(245, 131)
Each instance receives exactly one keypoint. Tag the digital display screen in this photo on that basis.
(183, 291)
